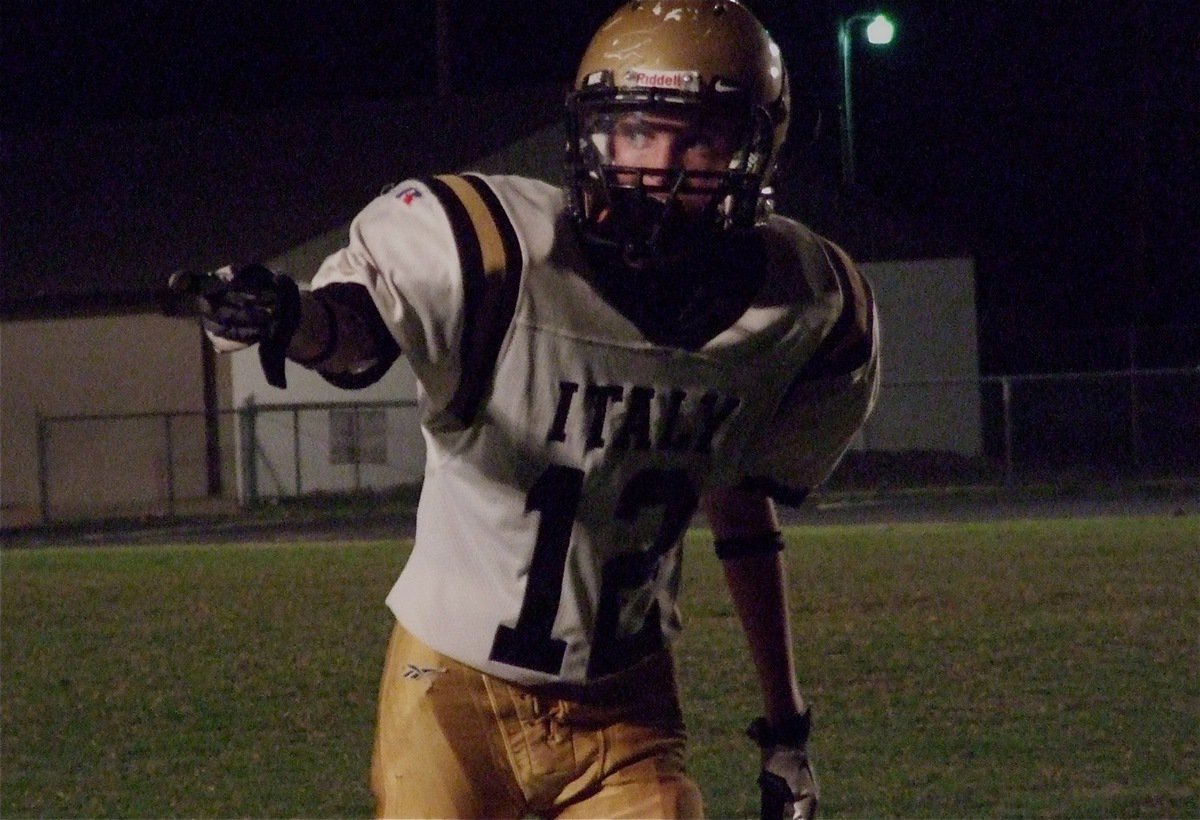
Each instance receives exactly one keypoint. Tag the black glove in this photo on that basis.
(789, 787)
(246, 306)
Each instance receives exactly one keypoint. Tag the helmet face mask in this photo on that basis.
(705, 74)
(645, 170)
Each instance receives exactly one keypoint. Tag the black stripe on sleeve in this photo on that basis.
(845, 348)
(508, 234)
(489, 296)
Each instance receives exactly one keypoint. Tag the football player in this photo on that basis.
(597, 361)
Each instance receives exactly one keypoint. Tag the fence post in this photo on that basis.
(212, 418)
(248, 417)
(1135, 429)
(43, 468)
(356, 446)
(1006, 398)
(170, 465)
(296, 446)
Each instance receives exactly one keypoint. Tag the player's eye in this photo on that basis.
(637, 134)
(713, 137)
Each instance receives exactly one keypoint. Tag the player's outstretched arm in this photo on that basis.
(252, 305)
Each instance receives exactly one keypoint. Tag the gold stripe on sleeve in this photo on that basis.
(491, 245)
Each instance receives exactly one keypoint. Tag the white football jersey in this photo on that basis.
(565, 451)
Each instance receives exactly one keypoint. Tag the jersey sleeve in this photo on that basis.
(828, 400)
(441, 263)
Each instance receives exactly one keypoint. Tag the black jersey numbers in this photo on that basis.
(627, 575)
(556, 496)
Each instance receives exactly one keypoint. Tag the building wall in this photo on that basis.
(294, 447)
(97, 366)
(147, 364)
(930, 398)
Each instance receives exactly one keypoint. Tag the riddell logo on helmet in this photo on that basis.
(673, 80)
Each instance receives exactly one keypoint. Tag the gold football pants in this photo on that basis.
(453, 742)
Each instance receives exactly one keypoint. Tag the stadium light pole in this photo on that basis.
(880, 31)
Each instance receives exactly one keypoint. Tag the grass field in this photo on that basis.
(1015, 669)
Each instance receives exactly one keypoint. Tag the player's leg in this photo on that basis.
(436, 742)
(635, 724)
(654, 787)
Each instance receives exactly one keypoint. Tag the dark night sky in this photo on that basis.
(1061, 137)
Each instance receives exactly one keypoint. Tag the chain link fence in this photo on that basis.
(1132, 424)
(339, 448)
(1118, 425)
(117, 465)
(155, 464)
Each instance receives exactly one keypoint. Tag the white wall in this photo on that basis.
(295, 424)
(148, 364)
(98, 366)
(930, 395)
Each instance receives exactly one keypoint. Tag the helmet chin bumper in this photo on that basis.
(679, 276)
(647, 225)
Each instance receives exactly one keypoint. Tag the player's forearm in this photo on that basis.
(757, 587)
(745, 522)
(331, 337)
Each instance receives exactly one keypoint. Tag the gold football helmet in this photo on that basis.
(692, 58)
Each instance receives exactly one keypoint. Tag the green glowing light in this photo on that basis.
(880, 31)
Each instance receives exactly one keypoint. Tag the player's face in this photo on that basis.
(674, 142)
